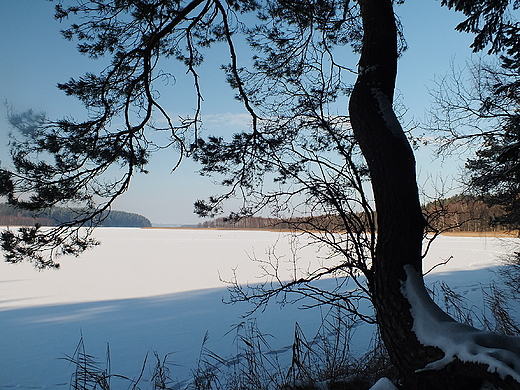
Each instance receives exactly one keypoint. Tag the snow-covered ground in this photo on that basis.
(161, 290)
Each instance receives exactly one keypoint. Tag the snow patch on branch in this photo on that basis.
(387, 112)
(384, 384)
(433, 327)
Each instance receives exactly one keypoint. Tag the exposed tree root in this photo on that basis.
(467, 350)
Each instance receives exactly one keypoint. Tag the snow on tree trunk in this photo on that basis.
(400, 222)
(435, 328)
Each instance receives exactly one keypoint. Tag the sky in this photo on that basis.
(35, 58)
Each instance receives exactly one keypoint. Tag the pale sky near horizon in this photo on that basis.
(35, 58)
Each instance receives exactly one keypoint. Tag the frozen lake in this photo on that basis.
(161, 290)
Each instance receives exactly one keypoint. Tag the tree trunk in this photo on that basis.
(392, 168)
(391, 163)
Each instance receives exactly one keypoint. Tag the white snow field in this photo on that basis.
(161, 290)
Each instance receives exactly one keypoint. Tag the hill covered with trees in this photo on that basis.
(464, 213)
(459, 213)
(10, 216)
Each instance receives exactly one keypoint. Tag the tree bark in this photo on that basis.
(392, 168)
(400, 224)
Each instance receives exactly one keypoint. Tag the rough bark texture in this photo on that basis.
(400, 222)
(392, 168)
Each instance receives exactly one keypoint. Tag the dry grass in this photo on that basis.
(502, 233)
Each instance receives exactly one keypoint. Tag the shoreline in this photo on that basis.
(504, 233)
(497, 234)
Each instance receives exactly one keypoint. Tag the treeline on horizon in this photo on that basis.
(460, 213)
(11, 216)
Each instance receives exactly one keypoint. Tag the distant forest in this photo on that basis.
(458, 213)
(11, 216)
(463, 213)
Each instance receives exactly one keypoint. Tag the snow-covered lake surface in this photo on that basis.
(162, 289)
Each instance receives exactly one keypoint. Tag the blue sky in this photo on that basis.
(35, 58)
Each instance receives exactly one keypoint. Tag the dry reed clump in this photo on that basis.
(322, 362)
